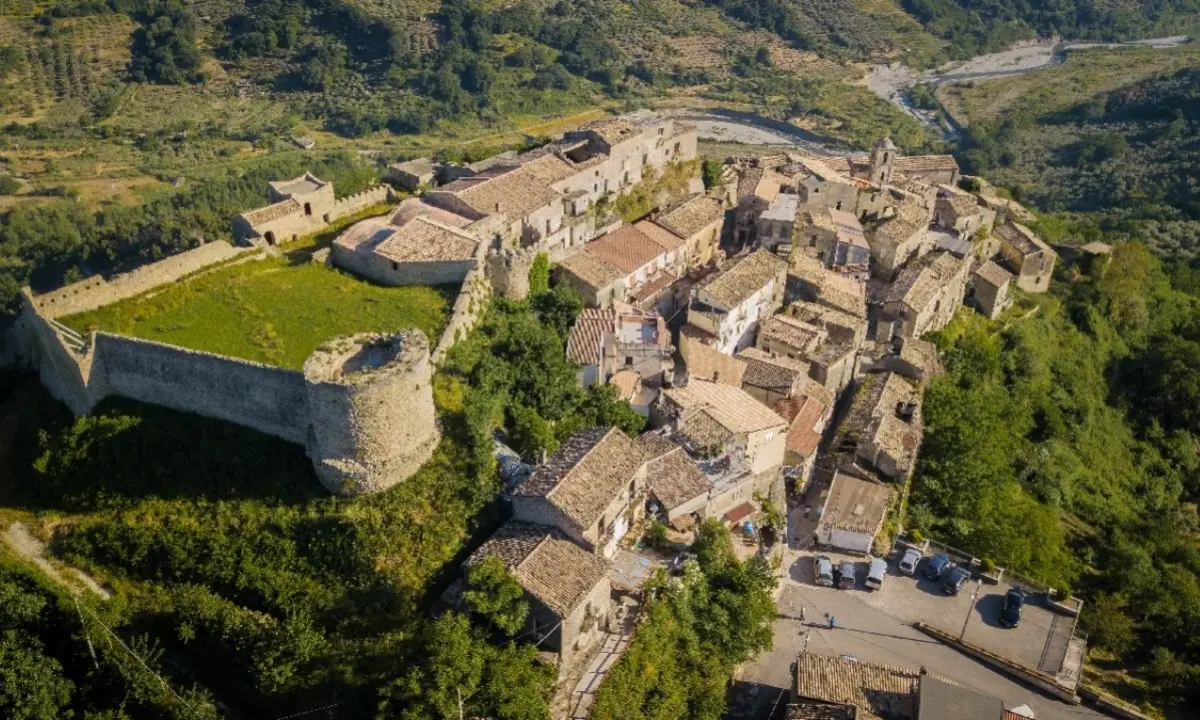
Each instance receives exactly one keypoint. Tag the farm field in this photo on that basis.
(276, 310)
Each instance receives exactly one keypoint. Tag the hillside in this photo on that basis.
(1105, 148)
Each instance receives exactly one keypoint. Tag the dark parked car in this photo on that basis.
(955, 580)
(938, 565)
(1010, 611)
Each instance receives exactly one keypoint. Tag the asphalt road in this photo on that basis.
(871, 635)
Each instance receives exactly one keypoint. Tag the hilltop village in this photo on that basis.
(769, 326)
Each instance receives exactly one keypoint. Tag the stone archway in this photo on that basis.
(308, 208)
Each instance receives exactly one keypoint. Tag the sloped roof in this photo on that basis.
(919, 282)
(855, 505)
(655, 444)
(993, 274)
(777, 374)
(666, 239)
(550, 567)
(512, 191)
(1023, 239)
(910, 218)
(691, 215)
(942, 700)
(877, 692)
(583, 345)
(743, 277)
(591, 270)
(735, 409)
(708, 363)
(585, 474)
(427, 240)
(675, 479)
(803, 412)
(627, 249)
(907, 164)
(790, 332)
(271, 212)
(612, 130)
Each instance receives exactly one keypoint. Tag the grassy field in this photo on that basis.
(1085, 73)
(276, 310)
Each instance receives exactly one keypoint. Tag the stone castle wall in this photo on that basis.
(269, 399)
(96, 291)
(361, 201)
(472, 302)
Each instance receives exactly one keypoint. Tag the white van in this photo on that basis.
(876, 573)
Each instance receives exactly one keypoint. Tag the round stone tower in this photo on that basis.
(370, 401)
(508, 271)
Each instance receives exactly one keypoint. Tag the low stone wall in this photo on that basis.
(269, 399)
(1111, 705)
(360, 201)
(97, 291)
(472, 302)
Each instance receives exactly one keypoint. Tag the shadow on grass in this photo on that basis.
(128, 451)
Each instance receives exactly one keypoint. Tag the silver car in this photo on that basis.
(823, 570)
(908, 563)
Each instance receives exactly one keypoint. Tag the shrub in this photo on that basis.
(916, 536)
(656, 534)
(987, 565)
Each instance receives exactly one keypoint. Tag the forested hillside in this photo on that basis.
(1121, 163)
(1064, 443)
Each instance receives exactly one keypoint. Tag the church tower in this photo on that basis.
(883, 157)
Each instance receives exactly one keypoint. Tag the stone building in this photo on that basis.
(770, 378)
(605, 341)
(418, 244)
(697, 219)
(883, 429)
(809, 280)
(853, 514)
(412, 175)
(777, 224)
(807, 415)
(617, 265)
(591, 488)
(835, 237)
(989, 289)
(758, 187)
(675, 482)
(961, 212)
(831, 360)
(298, 207)
(926, 295)
(567, 588)
(727, 306)
(841, 326)
(721, 420)
(821, 185)
(705, 362)
(886, 164)
(900, 237)
(1027, 256)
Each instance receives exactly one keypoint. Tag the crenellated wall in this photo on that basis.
(361, 201)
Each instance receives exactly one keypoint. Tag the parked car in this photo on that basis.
(1010, 611)
(875, 573)
(955, 580)
(908, 563)
(938, 565)
(823, 570)
(847, 575)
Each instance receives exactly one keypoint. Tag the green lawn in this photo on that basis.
(276, 310)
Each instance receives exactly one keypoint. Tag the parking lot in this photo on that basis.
(973, 614)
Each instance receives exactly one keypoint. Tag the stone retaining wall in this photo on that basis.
(97, 291)
(472, 302)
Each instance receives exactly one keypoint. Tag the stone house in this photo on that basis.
(567, 588)
(821, 185)
(697, 219)
(853, 514)
(926, 295)
(606, 341)
(831, 361)
(913, 358)
(412, 175)
(711, 365)
(720, 420)
(758, 187)
(809, 280)
(886, 165)
(807, 415)
(883, 428)
(989, 289)
(417, 244)
(298, 206)
(633, 147)
(1027, 256)
(591, 488)
(961, 212)
(618, 264)
(777, 223)
(770, 378)
(899, 237)
(840, 325)
(674, 481)
(834, 237)
(727, 305)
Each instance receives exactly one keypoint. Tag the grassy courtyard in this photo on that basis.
(275, 310)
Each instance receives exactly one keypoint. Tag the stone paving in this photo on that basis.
(612, 647)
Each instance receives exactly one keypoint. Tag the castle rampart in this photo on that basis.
(361, 201)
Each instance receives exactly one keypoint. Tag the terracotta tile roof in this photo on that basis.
(666, 239)
(675, 479)
(591, 270)
(790, 332)
(427, 240)
(743, 277)
(702, 429)
(272, 212)
(707, 363)
(626, 248)
(878, 398)
(585, 474)
(365, 235)
(1023, 239)
(512, 191)
(653, 286)
(837, 165)
(851, 303)
(550, 567)
(922, 354)
(627, 383)
(959, 205)
(777, 374)
(855, 505)
(614, 130)
(583, 345)
(906, 164)
(910, 219)
(993, 274)
(808, 268)
(655, 444)
(735, 409)
(877, 692)
(816, 710)
(822, 170)
(919, 282)
(412, 208)
(803, 413)
(691, 215)
(824, 316)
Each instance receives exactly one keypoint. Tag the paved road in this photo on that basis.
(871, 635)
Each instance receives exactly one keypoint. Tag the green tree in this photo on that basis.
(493, 593)
(1108, 625)
(539, 275)
(9, 185)
(32, 686)
(710, 172)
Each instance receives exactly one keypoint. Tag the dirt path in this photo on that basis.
(29, 547)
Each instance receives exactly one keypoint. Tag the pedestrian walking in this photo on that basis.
(832, 622)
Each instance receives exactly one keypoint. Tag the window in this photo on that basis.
(839, 205)
(812, 241)
(395, 266)
(645, 158)
(628, 359)
(660, 131)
